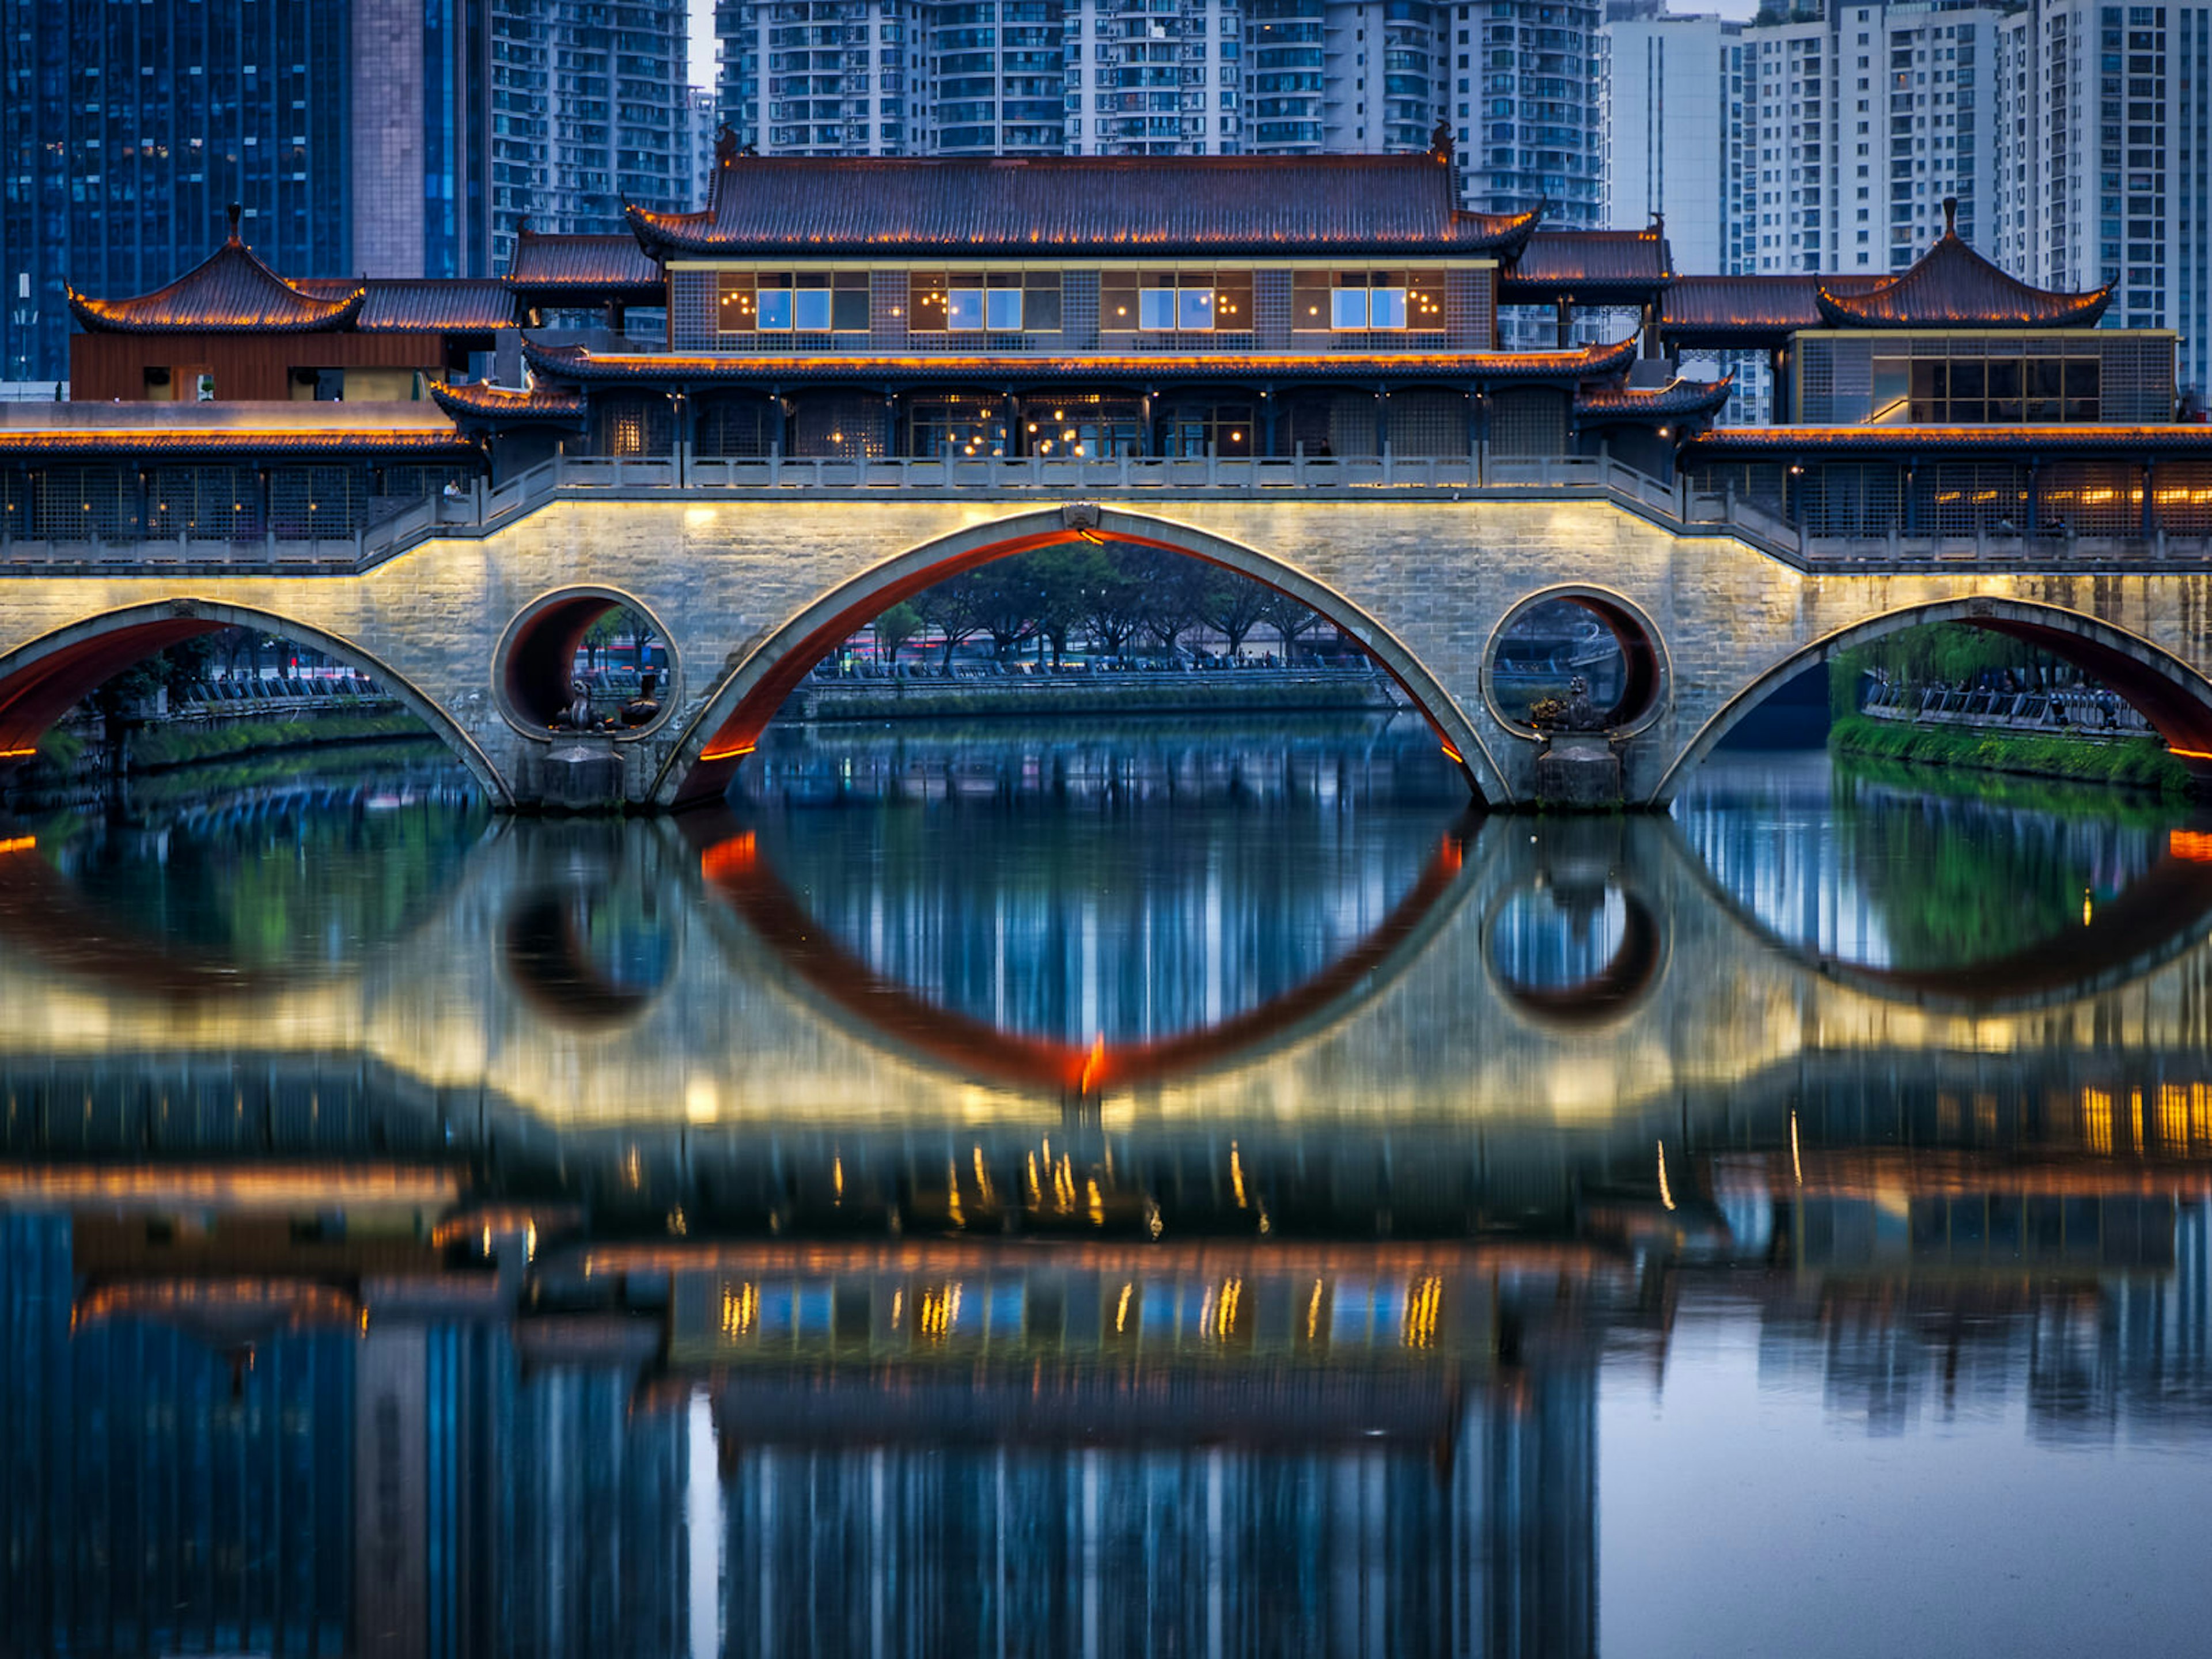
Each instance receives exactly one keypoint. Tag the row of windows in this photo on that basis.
(1014, 301)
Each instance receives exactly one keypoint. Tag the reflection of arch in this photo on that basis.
(43, 680)
(1614, 991)
(731, 863)
(45, 914)
(552, 966)
(2173, 697)
(740, 708)
(2148, 924)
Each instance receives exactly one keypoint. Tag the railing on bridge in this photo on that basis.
(2079, 711)
(1476, 476)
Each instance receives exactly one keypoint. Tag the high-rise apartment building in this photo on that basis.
(2105, 163)
(1526, 81)
(590, 108)
(1672, 128)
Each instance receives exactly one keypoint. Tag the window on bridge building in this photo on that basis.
(792, 302)
(984, 301)
(1175, 301)
(1346, 302)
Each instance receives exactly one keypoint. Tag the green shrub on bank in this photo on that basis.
(159, 747)
(2134, 764)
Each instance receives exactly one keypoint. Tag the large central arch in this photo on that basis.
(730, 722)
(42, 680)
(2172, 696)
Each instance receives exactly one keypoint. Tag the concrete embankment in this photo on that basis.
(2136, 762)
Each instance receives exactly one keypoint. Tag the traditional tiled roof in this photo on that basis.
(591, 267)
(1779, 443)
(421, 305)
(154, 442)
(1582, 362)
(1718, 312)
(229, 292)
(1951, 286)
(1678, 400)
(500, 405)
(1584, 265)
(1129, 205)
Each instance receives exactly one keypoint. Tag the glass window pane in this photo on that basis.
(1040, 303)
(963, 308)
(1424, 300)
(1005, 309)
(1195, 308)
(1118, 304)
(1232, 299)
(811, 310)
(1386, 308)
(925, 300)
(1349, 309)
(1310, 300)
(775, 307)
(1156, 308)
(734, 308)
(850, 313)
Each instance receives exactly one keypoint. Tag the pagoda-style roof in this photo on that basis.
(1588, 265)
(583, 269)
(1678, 400)
(579, 363)
(1951, 286)
(1165, 206)
(412, 431)
(1725, 312)
(498, 405)
(421, 305)
(229, 292)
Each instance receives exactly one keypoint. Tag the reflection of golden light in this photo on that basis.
(1097, 1206)
(1313, 1312)
(1122, 1310)
(1422, 1302)
(2195, 845)
(983, 1178)
(2097, 1120)
(1796, 1162)
(1236, 1174)
(939, 1312)
(953, 1193)
(740, 1310)
(17, 843)
(1666, 1194)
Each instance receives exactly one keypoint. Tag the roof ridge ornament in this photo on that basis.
(1440, 140)
(1950, 216)
(233, 212)
(725, 145)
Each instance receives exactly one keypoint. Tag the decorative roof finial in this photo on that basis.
(1440, 140)
(725, 145)
(232, 213)
(1950, 216)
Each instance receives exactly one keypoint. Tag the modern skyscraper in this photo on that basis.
(1673, 133)
(125, 130)
(1528, 113)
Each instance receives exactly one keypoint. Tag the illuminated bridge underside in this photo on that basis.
(749, 594)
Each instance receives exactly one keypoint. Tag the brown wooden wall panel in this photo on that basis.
(107, 367)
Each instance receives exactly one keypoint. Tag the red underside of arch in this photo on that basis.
(732, 865)
(739, 733)
(36, 696)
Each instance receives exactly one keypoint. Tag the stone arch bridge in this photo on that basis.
(472, 625)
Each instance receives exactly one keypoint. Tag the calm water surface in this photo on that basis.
(1171, 1189)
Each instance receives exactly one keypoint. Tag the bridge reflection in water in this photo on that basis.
(605, 1249)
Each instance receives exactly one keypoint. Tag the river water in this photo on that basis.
(1177, 1189)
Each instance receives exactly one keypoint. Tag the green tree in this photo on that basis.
(893, 629)
(1111, 599)
(1291, 618)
